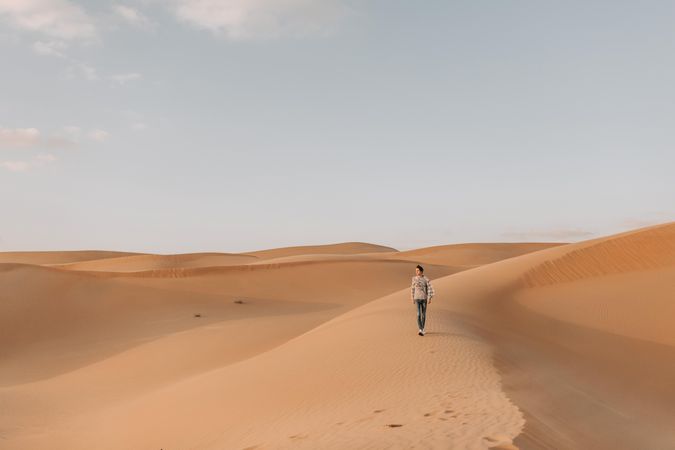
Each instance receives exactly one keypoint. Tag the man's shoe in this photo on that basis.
(420, 333)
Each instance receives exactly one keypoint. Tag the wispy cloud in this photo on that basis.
(15, 166)
(50, 48)
(19, 137)
(554, 234)
(648, 219)
(98, 135)
(24, 138)
(132, 16)
(80, 69)
(25, 165)
(124, 78)
(250, 19)
(59, 19)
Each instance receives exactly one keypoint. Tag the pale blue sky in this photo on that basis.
(233, 125)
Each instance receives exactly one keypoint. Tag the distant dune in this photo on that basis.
(59, 257)
(136, 263)
(345, 248)
(530, 346)
(472, 255)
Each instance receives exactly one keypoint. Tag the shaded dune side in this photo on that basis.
(651, 248)
(582, 381)
(59, 257)
(180, 272)
(471, 255)
(135, 263)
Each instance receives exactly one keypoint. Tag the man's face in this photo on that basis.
(417, 271)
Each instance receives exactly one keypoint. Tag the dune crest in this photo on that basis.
(650, 248)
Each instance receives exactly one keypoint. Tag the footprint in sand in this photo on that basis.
(378, 410)
(499, 442)
(298, 436)
(394, 425)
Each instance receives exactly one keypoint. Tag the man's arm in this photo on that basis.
(430, 289)
(412, 290)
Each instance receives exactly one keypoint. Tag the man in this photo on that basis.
(421, 292)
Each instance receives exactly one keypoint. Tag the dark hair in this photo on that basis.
(421, 268)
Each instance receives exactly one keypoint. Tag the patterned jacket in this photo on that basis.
(421, 288)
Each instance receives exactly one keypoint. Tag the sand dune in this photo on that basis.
(135, 263)
(590, 362)
(567, 347)
(99, 315)
(364, 392)
(345, 248)
(623, 284)
(651, 248)
(471, 255)
(59, 257)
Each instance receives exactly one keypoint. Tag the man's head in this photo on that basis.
(419, 270)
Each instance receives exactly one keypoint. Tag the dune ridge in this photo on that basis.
(588, 360)
(59, 257)
(473, 254)
(650, 248)
(133, 263)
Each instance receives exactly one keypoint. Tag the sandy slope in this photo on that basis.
(322, 353)
(588, 357)
(339, 385)
(94, 315)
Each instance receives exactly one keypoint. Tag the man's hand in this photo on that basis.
(429, 302)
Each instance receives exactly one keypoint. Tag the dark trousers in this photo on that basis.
(421, 312)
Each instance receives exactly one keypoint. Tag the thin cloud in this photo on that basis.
(554, 234)
(84, 70)
(251, 19)
(99, 135)
(50, 48)
(15, 166)
(25, 165)
(124, 78)
(25, 138)
(132, 16)
(59, 19)
(19, 137)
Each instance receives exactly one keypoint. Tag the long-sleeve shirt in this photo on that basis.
(421, 288)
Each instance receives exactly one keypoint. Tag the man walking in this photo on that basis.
(421, 292)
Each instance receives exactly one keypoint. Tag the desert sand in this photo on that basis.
(528, 345)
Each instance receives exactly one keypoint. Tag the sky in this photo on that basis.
(174, 126)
